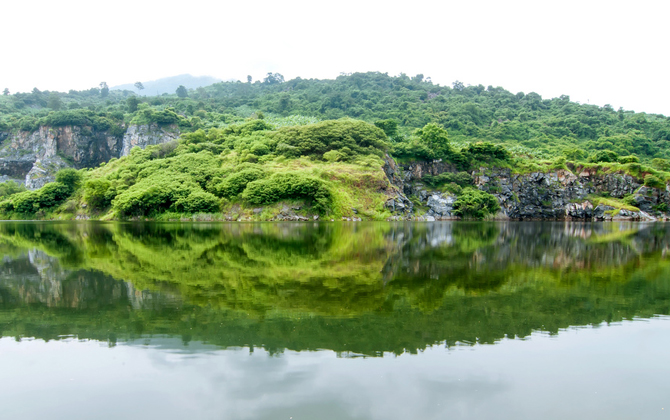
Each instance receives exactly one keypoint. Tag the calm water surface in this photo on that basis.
(335, 321)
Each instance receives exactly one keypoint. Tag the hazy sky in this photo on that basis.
(595, 51)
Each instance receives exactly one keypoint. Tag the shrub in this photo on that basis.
(653, 182)
(475, 204)
(50, 195)
(333, 156)
(629, 159)
(69, 177)
(198, 202)
(154, 194)
(660, 164)
(606, 156)
(10, 187)
(236, 183)
(317, 139)
(289, 185)
(97, 193)
(486, 152)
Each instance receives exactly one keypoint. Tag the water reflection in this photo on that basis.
(363, 288)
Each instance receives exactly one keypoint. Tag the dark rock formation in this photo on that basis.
(555, 195)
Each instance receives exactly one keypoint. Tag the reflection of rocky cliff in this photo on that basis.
(37, 278)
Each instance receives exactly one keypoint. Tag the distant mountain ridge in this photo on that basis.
(169, 84)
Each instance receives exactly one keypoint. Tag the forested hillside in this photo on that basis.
(269, 144)
(524, 121)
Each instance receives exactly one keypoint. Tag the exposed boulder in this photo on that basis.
(441, 206)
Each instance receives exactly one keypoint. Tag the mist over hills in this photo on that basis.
(169, 84)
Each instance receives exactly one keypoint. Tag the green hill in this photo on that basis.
(247, 146)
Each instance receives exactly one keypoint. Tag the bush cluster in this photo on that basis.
(475, 204)
(289, 185)
(653, 182)
(47, 197)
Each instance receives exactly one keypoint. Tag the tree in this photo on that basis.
(273, 79)
(435, 137)
(459, 86)
(132, 103)
(182, 92)
(139, 86)
(389, 127)
(5, 92)
(54, 102)
(104, 89)
(249, 79)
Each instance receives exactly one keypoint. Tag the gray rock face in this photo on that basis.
(147, 135)
(441, 206)
(37, 156)
(414, 171)
(44, 171)
(399, 204)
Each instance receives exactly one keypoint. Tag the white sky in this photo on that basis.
(596, 51)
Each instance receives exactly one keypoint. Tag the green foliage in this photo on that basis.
(163, 117)
(235, 183)
(574, 154)
(29, 202)
(661, 164)
(316, 139)
(653, 182)
(69, 177)
(607, 156)
(475, 204)
(629, 159)
(10, 187)
(198, 202)
(132, 102)
(98, 194)
(154, 194)
(389, 127)
(182, 92)
(486, 152)
(435, 139)
(289, 185)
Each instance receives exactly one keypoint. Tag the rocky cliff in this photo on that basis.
(554, 195)
(147, 135)
(34, 158)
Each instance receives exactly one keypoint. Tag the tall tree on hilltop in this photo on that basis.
(139, 86)
(104, 89)
(182, 92)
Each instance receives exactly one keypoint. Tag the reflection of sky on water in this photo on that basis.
(611, 372)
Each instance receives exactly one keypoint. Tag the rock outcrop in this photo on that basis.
(34, 157)
(555, 195)
(147, 135)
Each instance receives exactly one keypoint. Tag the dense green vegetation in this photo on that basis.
(314, 140)
(526, 123)
(307, 286)
(332, 167)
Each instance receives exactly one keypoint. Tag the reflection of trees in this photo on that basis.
(348, 287)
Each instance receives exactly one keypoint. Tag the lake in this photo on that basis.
(335, 320)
